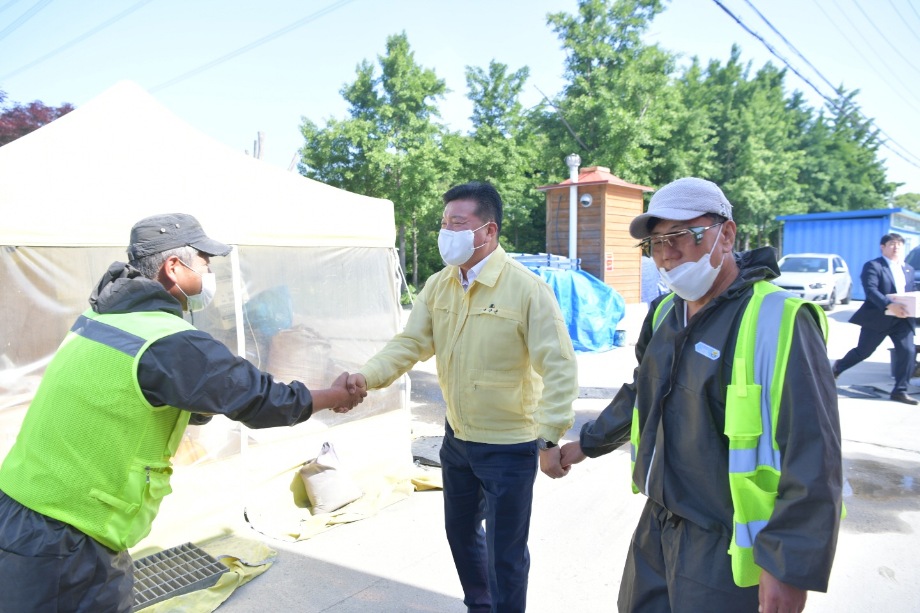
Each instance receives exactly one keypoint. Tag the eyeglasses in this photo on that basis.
(448, 225)
(675, 239)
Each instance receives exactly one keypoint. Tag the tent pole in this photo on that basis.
(237, 277)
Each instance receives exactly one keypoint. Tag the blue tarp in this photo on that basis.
(591, 308)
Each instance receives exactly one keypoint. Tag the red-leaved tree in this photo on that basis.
(19, 119)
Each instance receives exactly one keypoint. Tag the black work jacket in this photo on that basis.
(682, 460)
(194, 371)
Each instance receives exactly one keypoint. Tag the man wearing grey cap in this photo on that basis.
(732, 422)
(91, 464)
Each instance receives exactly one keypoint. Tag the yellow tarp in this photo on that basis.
(246, 559)
(280, 510)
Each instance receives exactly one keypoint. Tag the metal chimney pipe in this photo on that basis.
(572, 161)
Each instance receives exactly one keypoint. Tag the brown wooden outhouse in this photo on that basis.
(606, 205)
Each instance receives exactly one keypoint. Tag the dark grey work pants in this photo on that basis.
(676, 566)
(47, 566)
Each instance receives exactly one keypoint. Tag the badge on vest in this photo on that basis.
(705, 350)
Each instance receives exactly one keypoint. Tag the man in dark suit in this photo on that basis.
(880, 317)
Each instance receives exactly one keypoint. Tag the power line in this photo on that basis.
(78, 39)
(895, 80)
(913, 9)
(790, 45)
(818, 72)
(888, 142)
(773, 51)
(8, 5)
(868, 44)
(843, 36)
(910, 98)
(898, 11)
(297, 24)
(885, 38)
(831, 102)
(29, 14)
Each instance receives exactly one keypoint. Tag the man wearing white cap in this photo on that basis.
(738, 455)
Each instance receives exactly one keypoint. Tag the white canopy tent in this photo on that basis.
(123, 156)
(309, 290)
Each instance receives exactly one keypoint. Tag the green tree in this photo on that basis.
(684, 143)
(755, 156)
(909, 201)
(389, 146)
(624, 107)
(613, 106)
(842, 170)
(500, 149)
(737, 131)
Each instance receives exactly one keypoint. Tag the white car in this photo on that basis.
(820, 277)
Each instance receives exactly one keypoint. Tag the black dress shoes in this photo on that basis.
(902, 397)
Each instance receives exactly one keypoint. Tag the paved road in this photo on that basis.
(398, 560)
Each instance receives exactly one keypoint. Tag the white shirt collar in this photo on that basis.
(473, 272)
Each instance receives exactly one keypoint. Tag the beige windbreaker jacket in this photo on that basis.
(505, 361)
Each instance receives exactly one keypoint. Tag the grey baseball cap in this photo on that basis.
(164, 232)
(680, 200)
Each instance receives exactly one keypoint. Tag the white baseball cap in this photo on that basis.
(680, 200)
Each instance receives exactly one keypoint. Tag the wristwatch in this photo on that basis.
(542, 444)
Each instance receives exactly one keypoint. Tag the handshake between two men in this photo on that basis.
(343, 396)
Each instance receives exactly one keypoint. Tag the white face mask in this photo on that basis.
(205, 296)
(457, 247)
(691, 280)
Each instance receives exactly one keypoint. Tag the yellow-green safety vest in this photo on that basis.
(752, 403)
(92, 451)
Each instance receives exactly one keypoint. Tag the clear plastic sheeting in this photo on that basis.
(591, 308)
(305, 313)
(41, 298)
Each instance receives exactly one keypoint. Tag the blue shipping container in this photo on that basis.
(853, 235)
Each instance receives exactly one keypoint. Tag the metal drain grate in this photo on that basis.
(174, 571)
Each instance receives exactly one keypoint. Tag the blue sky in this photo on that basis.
(286, 59)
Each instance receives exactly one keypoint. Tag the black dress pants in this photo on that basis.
(903, 360)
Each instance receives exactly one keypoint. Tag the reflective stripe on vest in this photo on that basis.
(110, 336)
(764, 312)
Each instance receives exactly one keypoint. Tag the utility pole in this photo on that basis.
(258, 145)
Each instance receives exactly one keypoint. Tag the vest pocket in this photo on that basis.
(135, 508)
(122, 506)
(742, 411)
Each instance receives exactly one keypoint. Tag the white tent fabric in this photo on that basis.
(85, 178)
(309, 290)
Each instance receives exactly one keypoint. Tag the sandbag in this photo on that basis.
(328, 486)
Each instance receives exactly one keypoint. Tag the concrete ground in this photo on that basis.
(398, 560)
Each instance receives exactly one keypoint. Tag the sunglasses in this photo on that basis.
(675, 239)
